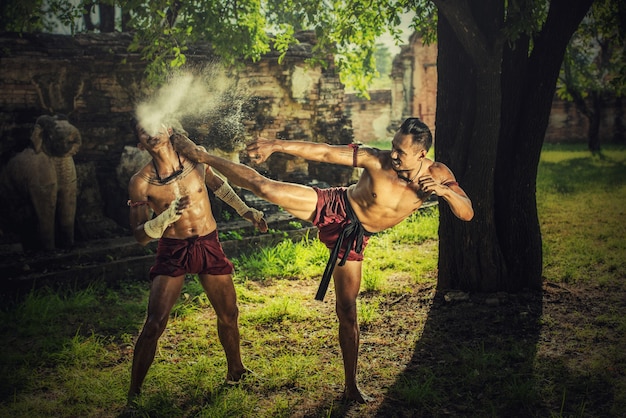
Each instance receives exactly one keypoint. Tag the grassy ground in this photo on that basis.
(558, 353)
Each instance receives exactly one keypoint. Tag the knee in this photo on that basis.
(262, 187)
(347, 313)
(154, 327)
(229, 317)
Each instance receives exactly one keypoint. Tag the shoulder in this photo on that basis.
(373, 158)
(140, 179)
(440, 171)
(374, 152)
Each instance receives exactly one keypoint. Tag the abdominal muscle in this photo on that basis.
(196, 220)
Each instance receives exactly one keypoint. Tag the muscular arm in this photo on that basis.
(442, 182)
(223, 191)
(260, 149)
(141, 213)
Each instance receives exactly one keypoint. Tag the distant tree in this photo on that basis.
(383, 59)
(106, 13)
(594, 68)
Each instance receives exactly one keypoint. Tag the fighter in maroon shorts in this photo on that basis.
(393, 185)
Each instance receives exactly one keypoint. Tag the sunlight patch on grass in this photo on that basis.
(290, 371)
(582, 216)
(373, 280)
(368, 311)
(304, 259)
(278, 310)
(419, 262)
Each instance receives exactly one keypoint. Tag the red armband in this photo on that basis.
(355, 149)
(135, 204)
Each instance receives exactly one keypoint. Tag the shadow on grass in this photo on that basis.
(39, 329)
(474, 358)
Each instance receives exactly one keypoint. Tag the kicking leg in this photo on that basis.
(297, 199)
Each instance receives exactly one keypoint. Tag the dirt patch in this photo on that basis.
(522, 355)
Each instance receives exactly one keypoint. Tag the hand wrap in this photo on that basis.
(155, 228)
(228, 195)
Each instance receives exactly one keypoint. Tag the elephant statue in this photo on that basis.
(42, 178)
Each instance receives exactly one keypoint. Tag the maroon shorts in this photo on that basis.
(331, 217)
(196, 255)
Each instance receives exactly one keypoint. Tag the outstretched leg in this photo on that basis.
(297, 199)
(164, 292)
(347, 283)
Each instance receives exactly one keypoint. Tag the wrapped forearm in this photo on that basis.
(228, 196)
(155, 228)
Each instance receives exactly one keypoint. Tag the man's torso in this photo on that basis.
(383, 200)
(197, 219)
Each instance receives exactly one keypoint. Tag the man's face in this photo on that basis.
(148, 141)
(405, 154)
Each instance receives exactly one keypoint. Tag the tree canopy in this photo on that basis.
(594, 68)
(238, 30)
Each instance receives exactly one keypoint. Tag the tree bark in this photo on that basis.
(493, 106)
(470, 257)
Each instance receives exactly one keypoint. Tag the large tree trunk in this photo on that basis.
(470, 256)
(618, 122)
(490, 128)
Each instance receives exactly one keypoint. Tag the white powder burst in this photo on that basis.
(204, 97)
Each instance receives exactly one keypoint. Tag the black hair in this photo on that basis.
(419, 130)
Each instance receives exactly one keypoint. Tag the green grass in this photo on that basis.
(287, 259)
(583, 216)
(67, 353)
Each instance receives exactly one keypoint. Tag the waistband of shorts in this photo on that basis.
(208, 237)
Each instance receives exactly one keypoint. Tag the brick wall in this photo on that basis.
(96, 82)
(371, 119)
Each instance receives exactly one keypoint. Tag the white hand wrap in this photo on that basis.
(228, 195)
(155, 228)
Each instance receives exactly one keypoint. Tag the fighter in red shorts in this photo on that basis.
(393, 185)
(169, 201)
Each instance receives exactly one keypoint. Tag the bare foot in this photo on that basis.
(234, 378)
(131, 400)
(355, 395)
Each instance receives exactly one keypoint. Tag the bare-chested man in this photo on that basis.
(393, 185)
(175, 189)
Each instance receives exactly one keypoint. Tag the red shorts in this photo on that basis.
(331, 217)
(197, 255)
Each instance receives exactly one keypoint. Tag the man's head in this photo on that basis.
(410, 144)
(151, 134)
(419, 131)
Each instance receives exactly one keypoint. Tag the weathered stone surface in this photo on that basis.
(96, 82)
